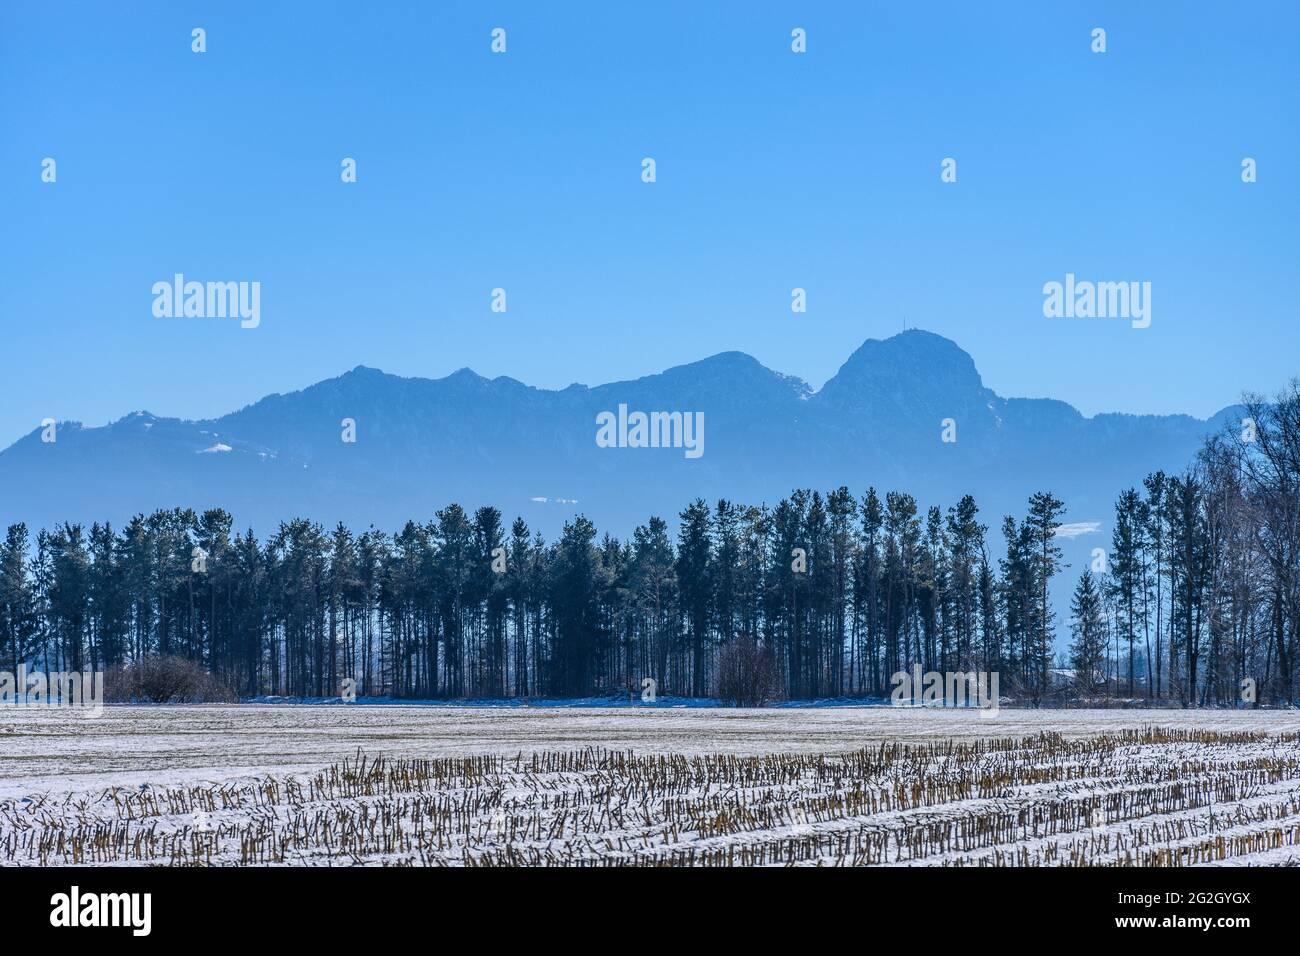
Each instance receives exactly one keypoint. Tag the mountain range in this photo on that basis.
(421, 443)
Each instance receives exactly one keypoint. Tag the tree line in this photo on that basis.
(1203, 574)
(832, 593)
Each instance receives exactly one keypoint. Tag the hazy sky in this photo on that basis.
(523, 171)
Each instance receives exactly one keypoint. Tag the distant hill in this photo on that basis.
(422, 443)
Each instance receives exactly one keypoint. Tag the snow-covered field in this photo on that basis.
(457, 785)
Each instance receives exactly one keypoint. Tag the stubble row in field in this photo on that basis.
(1149, 797)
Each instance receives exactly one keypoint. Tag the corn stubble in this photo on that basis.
(1154, 797)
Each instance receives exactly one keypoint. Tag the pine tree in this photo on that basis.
(695, 588)
(18, 610)
(1045, 511)
(1126, 575)
(1088, 647)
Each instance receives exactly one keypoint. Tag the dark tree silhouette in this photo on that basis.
(819, 595)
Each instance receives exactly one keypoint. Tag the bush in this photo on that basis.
(747, 673)
(165, 680)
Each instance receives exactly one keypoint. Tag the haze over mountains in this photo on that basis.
(421, 443)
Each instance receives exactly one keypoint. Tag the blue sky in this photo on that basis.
(522, 171)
